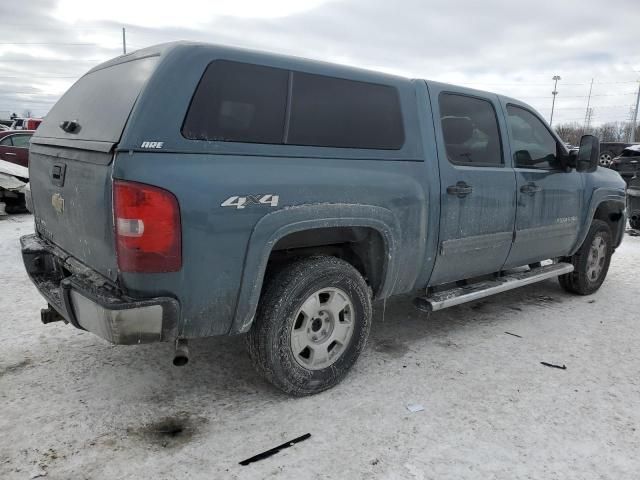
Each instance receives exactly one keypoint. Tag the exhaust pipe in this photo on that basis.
(50, 315)
(181, 356)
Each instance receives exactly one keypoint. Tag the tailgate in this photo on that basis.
(70, 161)
(71, 195)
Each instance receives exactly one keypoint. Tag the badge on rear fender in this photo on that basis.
(156, 145)
(240, 202)
(57, 202)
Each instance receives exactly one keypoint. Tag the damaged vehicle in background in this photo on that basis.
(26, 123)
(14, 182)
(190, 190)
(633, 202)
(14, 146)
(611, 150)
(627, 163)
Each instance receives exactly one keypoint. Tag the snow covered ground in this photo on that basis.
(73, 407)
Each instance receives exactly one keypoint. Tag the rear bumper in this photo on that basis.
(88, 301)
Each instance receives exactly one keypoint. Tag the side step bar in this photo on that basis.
(468, 293)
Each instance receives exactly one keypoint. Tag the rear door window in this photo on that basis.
(470, 130)
(238, 102)
(21, 141)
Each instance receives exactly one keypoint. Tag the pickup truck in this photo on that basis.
(190, 190)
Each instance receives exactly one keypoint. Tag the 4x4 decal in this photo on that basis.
(248, 200)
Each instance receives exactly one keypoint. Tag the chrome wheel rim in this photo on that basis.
(605, 159)
(597, 258)
(322, 328)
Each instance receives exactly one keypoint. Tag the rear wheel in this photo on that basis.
(590, 262)
(312, 323)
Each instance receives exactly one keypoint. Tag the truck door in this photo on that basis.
(477, 192)
(15, 148)
(549, 198)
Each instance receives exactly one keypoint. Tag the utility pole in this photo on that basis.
(586, 113)
(632, 135)
(554, 93)
(124, 41)
(587, 125)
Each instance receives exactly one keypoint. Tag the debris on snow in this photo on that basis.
(12, 176)
(513, 334)
(561, 367)
(13, 182)
(415, 407)
(39, 472)
(274, 450)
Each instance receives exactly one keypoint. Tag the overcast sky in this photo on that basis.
(501, 46)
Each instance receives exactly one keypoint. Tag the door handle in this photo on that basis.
(530, 188)
(460, 189)
(12, 154)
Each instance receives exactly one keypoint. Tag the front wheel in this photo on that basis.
(590, 262)
(312, 323)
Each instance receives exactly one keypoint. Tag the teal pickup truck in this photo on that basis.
(190, 190)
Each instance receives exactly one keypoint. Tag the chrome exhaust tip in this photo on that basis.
(181, 355)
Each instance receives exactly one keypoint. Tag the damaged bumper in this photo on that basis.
(88, 301)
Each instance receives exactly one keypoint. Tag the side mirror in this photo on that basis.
(588, 154)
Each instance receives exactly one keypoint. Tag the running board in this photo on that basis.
(475, 291)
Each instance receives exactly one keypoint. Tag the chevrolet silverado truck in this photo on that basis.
(190, 190)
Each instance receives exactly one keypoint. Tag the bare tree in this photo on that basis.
(607, 132)
(569, 132)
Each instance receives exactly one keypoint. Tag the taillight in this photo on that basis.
(148, 233)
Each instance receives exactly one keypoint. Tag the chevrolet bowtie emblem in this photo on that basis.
(58, 202)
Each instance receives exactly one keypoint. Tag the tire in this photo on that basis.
(635, 224)
(605, 158)
(590, 262)
(306, 299)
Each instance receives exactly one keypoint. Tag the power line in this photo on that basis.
(71, 60)
(61, 27)
(525, 84)
(596, 106)
(27, 75)
(586, 96)
(47, 43)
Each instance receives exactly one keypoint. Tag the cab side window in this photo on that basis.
(470, 130)
(6, 142)
(532, 143)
